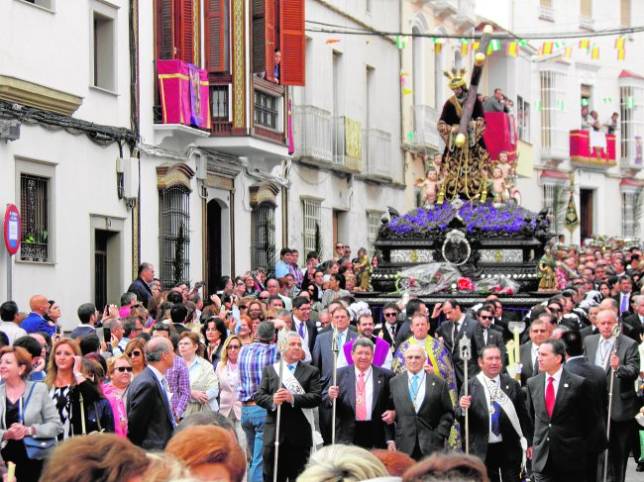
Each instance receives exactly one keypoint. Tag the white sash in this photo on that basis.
(292, 385)
(498, 395)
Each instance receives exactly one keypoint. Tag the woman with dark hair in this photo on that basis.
(214, 333)
(204, 386)
(99, 418)
(53, 314)
(134, 351)
(225, 286)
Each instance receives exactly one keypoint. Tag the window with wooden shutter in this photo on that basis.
(164, 29)
(185, 28)
(292, 42)
(264, 37)
(216, 22)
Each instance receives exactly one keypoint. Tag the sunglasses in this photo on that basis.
(263, 298)
(485, 317)
(123, 369)
(135, 353)
(236, 347)
(390, 314)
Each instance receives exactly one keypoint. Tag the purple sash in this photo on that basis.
(379, 357)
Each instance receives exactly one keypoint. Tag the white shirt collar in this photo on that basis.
(496, 379)
(556, 375)
(367, 372)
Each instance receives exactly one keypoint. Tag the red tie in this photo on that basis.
(550, 396)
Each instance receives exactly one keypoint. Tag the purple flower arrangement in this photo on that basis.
(483, 218)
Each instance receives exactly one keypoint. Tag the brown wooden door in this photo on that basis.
(586, 197)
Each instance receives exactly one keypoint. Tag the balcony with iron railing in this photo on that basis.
(377, 154)
(312, 134)
(425, 132)
(347, 143)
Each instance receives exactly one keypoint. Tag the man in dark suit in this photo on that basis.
(141, 285)
(424, 412)
(484, 334)
(539, 331)
(563, 418)
(303, 325)
(633, 323)
(577, 364)
(592, 318)
(149, 414)
(323, 358)
(623, 296)
(299, 392)
(388, 329)
(363, 404)
(498, 418)
(456, 327)
(620, 354)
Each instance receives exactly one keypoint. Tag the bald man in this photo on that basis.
(35, 321)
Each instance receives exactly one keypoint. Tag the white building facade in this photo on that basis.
(549, 90)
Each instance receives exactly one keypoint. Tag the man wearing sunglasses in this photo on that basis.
(388, 329)
(484, 334)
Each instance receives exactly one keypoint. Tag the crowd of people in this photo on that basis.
(285, 374)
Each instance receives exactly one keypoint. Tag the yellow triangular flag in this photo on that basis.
(595, 53)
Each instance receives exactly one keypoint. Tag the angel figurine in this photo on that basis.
(431, 186)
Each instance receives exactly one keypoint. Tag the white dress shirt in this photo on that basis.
(604, 349)
(420, 394)
(305, 338)
(555, 382)
(492, 437)
(534, 352)
(342, 339)
(368, 392)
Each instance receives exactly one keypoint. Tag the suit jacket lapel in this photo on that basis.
(404, 387)
(351, 388)
(562, 394)
(428, 393)
(593, 344)
(377, 387)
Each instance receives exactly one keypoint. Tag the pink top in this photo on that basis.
(229, 383)
(117, 402)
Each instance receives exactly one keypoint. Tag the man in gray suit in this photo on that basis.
(424, 411)
(620, 354)
(322, 358)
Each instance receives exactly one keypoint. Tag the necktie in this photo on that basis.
(535, 366)
(300, 330)
(550, 396)
(413, 389)
(624, 305)
(361, 402)
(292, 367)
(485, 336)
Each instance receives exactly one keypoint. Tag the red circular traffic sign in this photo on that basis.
(12, 229)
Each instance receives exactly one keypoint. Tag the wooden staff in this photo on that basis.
(277, 425)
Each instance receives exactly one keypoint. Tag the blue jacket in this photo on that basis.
(34, 323)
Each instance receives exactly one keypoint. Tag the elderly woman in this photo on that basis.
(211, 453)
(134, 351)
(204, 386)
(229, 382)
(119, 372)
(214, 332)
(27, 412)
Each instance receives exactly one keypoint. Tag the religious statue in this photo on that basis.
(500, 188)
(461, 127)
(430, 185)
(546, 271)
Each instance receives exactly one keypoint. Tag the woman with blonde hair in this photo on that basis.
(229, 383)
(342, 463)
(134, 350)
(204, 386)
(119, 373)
(69, 388)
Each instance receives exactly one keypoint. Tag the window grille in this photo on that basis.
(174, 230)
(34, 205)
(219, 95)
(266, 112)
(553, 138)
(523, 119)
(263, 244)
(312, 219)
(628, 215)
